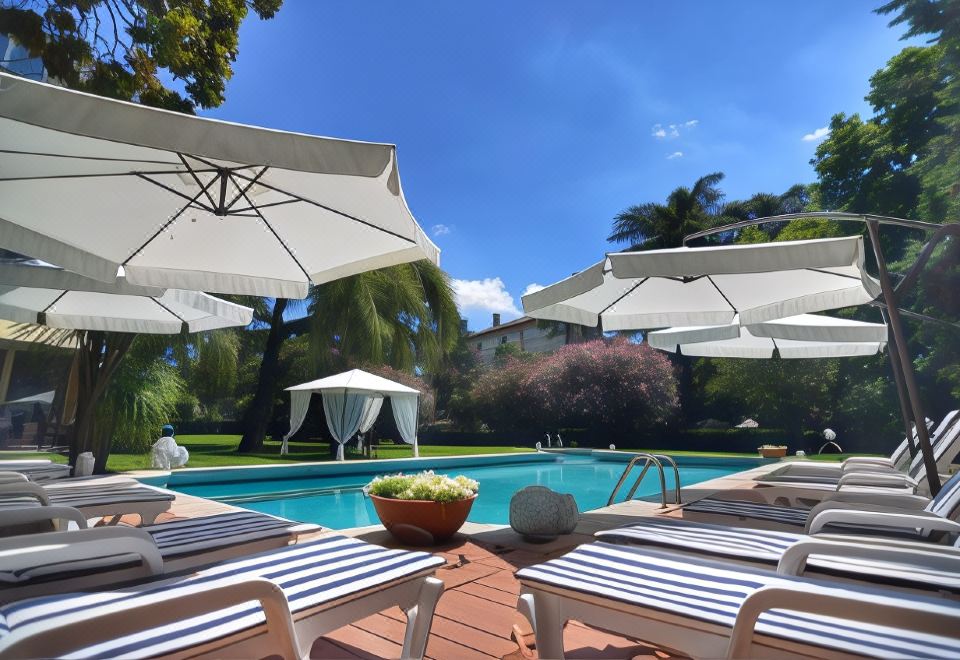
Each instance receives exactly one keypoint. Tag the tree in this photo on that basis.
(652, 226)
(127, 49)
(403, 316)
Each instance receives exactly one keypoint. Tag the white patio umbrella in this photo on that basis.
(93, 184)
(710, 286)
(804, 336)
(75, 302)
(351, 403)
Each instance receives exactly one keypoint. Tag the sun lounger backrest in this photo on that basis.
(945, 447)
(947, 501)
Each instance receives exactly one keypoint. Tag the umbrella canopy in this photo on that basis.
(747, 345)
(710, 286)
(351, 403)
(80, 303)
(182, 202)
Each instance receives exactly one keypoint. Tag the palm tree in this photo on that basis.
(763, 205)
(653, 226)
(405, 316)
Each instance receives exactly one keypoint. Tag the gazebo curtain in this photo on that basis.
(345, 412)
(405, 414)
(370, 414)
(299, 403)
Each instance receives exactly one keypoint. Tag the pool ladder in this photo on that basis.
(656, 460)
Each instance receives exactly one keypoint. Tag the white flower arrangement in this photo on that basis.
(829, 435)
(423, 486)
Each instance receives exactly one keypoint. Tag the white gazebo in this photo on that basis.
(351, 403)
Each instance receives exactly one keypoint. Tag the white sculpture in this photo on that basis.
(166, 453)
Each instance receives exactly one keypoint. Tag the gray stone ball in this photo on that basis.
(540, 514)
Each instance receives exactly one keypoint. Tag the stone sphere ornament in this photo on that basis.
(539, 514)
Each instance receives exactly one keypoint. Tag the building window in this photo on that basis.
(503, 339)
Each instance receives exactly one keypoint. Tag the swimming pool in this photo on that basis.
(336, 500)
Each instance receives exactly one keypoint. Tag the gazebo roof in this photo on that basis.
(355, 380)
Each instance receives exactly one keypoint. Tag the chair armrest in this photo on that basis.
(927, 616)
(793, 561)
(7, 476)
(27, 488)
(866, 461)
(86, 631)
(912, 520)
(13, 517)
(884, 479)
(892, 499)
(79, 544)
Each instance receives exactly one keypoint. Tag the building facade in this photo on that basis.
(526, 334)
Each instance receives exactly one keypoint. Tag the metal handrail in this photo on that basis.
(648, 459)
(676, 476)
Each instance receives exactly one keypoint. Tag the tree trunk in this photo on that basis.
(98, 356)
(257, 417)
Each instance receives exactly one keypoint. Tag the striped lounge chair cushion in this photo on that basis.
(745, 509)
(764, 546)
(41, 472)
(712, 592)
(104, 494)
(183, 537)
(17, 501)
(311, 574)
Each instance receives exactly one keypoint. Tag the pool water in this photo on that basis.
(338, 502)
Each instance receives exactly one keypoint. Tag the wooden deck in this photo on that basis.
(477, 616)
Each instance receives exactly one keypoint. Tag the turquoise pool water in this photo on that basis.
(337, 502)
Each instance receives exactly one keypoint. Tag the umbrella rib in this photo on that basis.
(627, 293)
(87, 176)
(190, 200)
(195, 177)
(55, 301)
(75, 157)
(264, 206)
(169, 222)
(277, 236)
(727, 300)
(827, 272)
(184, 326)
(328, 208)
(243, 192)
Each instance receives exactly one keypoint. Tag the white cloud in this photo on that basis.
(675, 154)
(440, 230)
(671, 131)
(531, 288)
(818, 134)
(487, 295)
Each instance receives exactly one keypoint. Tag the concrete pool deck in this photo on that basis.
(477, 616)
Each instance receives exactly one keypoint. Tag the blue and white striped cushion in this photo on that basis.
(764, 546)
(744, 509)
(710, 591)
(310, 574)
(181, 537)
(945, 445)
(104, 494)
(946, 503)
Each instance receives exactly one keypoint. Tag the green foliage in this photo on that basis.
(140, 399)
(127, 49)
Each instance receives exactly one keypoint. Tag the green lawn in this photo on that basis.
(220, 451)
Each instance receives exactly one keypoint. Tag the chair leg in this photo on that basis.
(549, 624)
(420, 618)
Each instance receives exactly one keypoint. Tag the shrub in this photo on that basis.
(424, 486)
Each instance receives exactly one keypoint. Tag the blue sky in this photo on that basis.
(523, 128)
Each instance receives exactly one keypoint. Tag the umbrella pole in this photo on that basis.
(902, 396)
(896, 327)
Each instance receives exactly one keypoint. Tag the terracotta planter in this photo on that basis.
(422, 522)
(773, 452)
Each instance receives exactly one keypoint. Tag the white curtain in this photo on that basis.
(405, 413)
(344, 412)
(299, 402)
(370, 413)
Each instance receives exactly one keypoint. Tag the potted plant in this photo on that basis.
(422, 509)
(772, 451)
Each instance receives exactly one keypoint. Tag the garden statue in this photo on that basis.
(166, 453)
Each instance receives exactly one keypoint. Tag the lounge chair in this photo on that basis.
(32, 564)
(704, 608)
(94, 497)
(945, 506)
(304, 591)
(37, 471)
(760, 546)
(898, 462)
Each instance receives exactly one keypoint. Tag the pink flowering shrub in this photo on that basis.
(611, 384)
